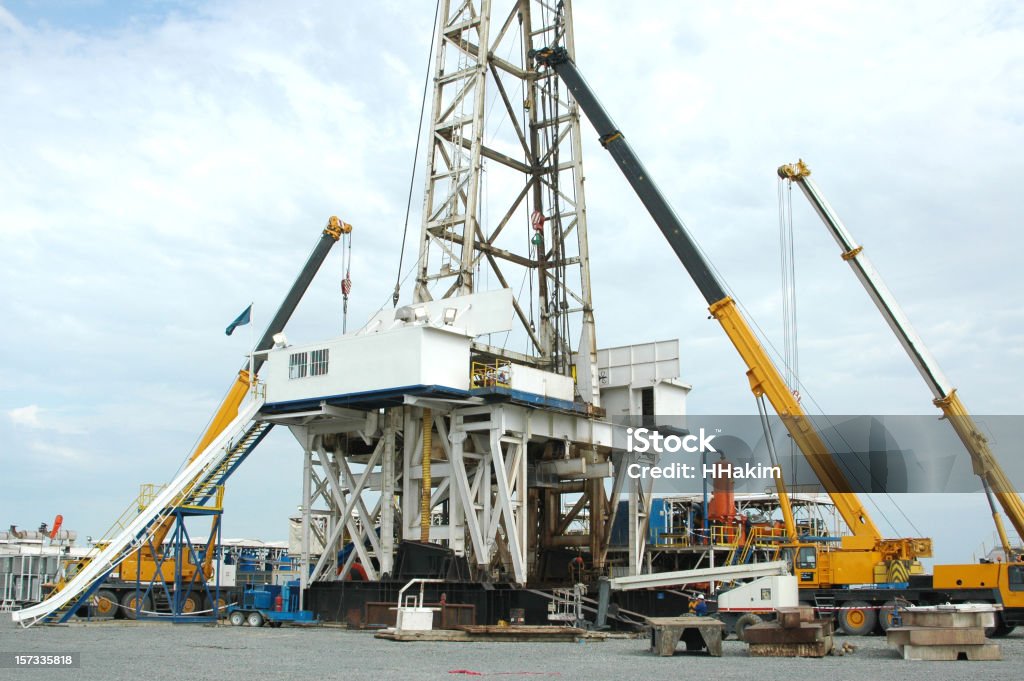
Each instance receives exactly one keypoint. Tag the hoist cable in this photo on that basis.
(416, 156)
(804, 391)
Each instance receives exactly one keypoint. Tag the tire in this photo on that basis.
(220, 605)
(129, 602)
(856, 618)
(274, 625)
(237, 618)
(887, 615)
(254, 619)
(745, 621)
(1001, 630)
(191, 603)
(106, 605)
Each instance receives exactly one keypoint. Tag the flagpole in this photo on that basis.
(252, 348)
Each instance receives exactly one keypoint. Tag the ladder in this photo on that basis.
(206, 487)
(826, 605)
(191, 486)
(740, 555)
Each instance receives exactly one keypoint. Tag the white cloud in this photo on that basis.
(27, 417)
(7, 21)
(37, 418)
(62, 453)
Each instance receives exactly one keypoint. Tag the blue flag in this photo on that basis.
(240, 320)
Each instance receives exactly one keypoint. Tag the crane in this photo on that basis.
(996, 484)
(150, 563)
(860, 552)
(228, 409)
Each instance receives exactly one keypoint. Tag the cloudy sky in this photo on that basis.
(162, 164)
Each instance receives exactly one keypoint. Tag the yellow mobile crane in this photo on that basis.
(996, 484)
(864, 558)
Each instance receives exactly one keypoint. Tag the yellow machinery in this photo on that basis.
(146, 567)
(864, 556)
(997, 486)
(143, 563)
(150, 562)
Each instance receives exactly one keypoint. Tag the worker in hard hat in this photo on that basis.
(699, 606)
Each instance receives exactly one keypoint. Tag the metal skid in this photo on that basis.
(482, 484)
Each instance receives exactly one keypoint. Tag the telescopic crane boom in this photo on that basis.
(228, 410)
(993, 479)
(866, 547)
(229, 407)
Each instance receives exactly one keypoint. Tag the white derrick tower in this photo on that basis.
(504, 203)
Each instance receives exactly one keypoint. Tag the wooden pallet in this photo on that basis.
(480, 632)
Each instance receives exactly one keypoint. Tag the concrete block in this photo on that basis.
(936, 618)
(935, 636)
(698, 633)
(959, 615)
(986, 651)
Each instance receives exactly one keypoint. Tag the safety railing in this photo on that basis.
(147, 493)
(673, 539)
(496, 374)
(726, 535)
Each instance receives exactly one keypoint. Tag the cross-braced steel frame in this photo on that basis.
(504, 202)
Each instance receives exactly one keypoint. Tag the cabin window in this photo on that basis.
(318, 363)
(297, 362)
(1015, 577)
(807, 558)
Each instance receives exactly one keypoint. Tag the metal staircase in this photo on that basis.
(193, 486)
(206, 487)
(825, 604)
(757, 538)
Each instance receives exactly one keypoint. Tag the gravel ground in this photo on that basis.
(159, 652)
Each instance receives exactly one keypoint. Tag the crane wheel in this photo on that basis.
(237, 618)
(191, 603)
(856, 618)
(254, 619)
(106, 605)
(887, 616)
(132, 605)
(1001, 629)
(745, 621)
